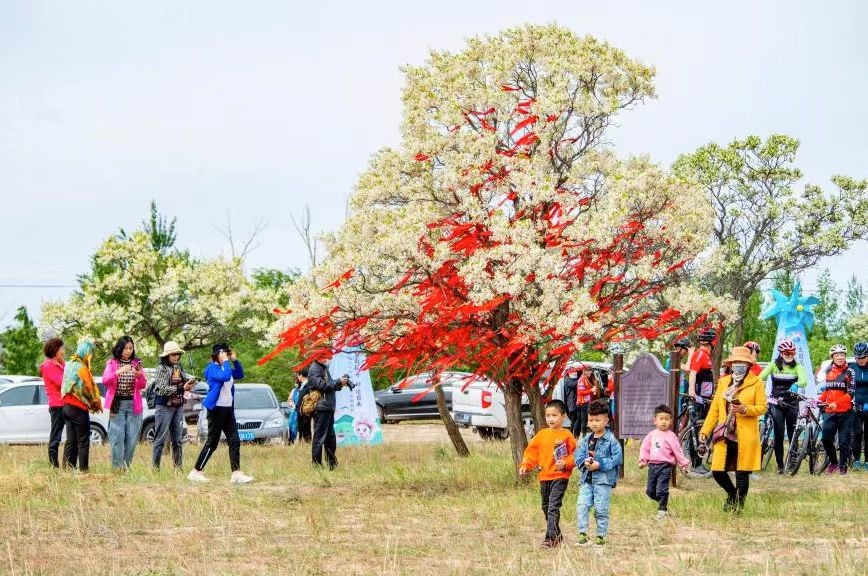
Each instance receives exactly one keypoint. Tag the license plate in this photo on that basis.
(462, 418)
(247, 436)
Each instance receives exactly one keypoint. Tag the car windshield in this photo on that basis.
(254, 398)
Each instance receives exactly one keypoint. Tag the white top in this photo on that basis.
(225, 398)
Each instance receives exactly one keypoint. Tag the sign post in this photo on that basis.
(618, 365)
(675, 386)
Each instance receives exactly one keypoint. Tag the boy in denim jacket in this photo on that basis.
(598, 458)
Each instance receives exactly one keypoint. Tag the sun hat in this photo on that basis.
(170, 348)
(739, 354)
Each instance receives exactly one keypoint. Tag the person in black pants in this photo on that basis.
(51, 371)
(221, 374)
(321, 381)
(80, 397)
(304, 422)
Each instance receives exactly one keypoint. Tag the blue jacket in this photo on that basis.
(861, 377)
(216, 375)
(608, 454)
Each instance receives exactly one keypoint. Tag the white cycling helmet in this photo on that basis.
(837, 349)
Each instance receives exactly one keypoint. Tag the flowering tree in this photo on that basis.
(156, 294)
(761, 224)
(504, 235)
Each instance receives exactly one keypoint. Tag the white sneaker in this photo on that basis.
(661, 514)
(238, 477)
(197, 476)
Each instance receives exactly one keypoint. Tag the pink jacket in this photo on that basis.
(662, 448)
(110, 381)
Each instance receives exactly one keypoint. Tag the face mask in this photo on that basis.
(739, 370)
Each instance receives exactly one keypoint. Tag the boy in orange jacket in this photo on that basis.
(551, 450)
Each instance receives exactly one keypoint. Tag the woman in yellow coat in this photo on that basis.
(733, 425)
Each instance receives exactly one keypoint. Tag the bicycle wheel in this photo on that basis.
(814, 454)
(699, 465)
(798, 450)
(768, 443)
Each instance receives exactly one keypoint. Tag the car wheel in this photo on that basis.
(149, 431)
(97, 435)
(381, 415)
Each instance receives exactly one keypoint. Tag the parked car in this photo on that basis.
(24, 417)
(259, 415)
(413, 399)
(482, 404)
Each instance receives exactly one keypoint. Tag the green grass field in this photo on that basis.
(404, 509)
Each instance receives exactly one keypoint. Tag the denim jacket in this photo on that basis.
(608, 453)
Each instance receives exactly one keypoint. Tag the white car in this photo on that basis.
(24, 417)
(482, 404)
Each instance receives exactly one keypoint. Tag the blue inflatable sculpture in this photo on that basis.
(793, 314)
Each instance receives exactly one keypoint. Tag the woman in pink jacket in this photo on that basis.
(124, 379)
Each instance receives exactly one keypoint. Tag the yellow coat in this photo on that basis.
(752, 394)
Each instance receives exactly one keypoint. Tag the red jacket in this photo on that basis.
(839, 381)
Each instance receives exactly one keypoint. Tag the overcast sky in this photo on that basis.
(261, 107)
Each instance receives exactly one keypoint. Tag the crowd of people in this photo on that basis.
(73, 395)
(730, 408)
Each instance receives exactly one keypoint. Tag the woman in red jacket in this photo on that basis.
(51, 371)
(840, 387)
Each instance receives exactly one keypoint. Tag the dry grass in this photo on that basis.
(411, 508)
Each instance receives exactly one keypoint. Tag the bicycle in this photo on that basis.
(688, 427)
(767, 435)
(806, 440)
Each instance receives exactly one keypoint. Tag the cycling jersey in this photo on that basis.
(701, 364)
(784, 378)
(861, 377)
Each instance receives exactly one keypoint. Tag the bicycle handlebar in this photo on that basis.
(696, 400)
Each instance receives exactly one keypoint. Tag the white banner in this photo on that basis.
(356, 412)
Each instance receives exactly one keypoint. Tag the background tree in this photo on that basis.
(156, 296)
(761, 223)
(20, 347)
(504, 235)
(855, 301)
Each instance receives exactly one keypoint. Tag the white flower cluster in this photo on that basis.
(135, 290)
(503, 174)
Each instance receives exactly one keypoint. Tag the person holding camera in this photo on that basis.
(124, 379)
(170, 383)
(221, 374)
(320, 382)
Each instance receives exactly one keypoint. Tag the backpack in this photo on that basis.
(308, 404)
(150, 395)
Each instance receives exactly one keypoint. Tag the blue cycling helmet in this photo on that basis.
(860, 350)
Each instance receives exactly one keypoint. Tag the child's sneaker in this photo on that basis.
(832, 469)
(583, 540)
(197, 476)
(661, 514)
(857, 465)
(600, 541)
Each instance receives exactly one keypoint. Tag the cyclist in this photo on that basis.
(788, 378)
(701, 380)
(754, 348)
(860, 421)
(840, 384)
(683, 347)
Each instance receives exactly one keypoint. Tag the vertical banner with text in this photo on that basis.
(356, 412)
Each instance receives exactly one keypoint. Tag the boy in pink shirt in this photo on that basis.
(661, 451)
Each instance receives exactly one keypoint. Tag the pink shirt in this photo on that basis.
(110, 381)
(662, 448)
(52, 374)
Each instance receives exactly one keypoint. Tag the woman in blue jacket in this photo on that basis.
(221, 374)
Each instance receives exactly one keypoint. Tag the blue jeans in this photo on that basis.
(596, 496)
(123, 432)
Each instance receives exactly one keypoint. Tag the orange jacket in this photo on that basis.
(541, 452)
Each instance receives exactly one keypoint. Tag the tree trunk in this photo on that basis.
(738, 326)
(537, 406)
(449, 423)
(514, 423)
